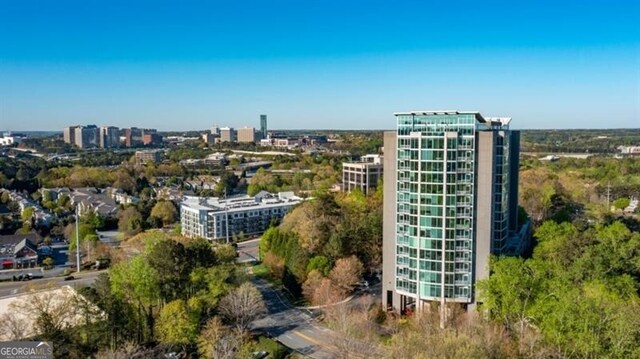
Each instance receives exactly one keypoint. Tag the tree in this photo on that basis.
(165, 211)
(321, 264)
(242, 306)
(27, 214)
(4, 198)
(346, 273)
(225, 253)
(510, 292)
(319, 290)
(47, 263)
(177, 325)
(86, 233)
(130, 221)
(216, 341)
(135, 282)
(621, 203)
(171, 266)
(200, 253)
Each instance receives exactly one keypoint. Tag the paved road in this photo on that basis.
(293, 327)
(248, 250)
(9, 289)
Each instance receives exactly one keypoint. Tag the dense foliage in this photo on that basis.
(322, 231)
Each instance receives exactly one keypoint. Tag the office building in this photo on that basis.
(263, 126)
(132, 137)
(227, 134)
(247, 134)
(214, 218)
(208, 138)
(450, 200)
(69, 134)
(87, 136)
(137, 137)
(147, 156)
(363, 175)
(151, 138)
(109, 137)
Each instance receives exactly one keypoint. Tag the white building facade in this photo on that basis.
(214, 218)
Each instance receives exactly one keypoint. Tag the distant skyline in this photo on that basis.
(316, 64)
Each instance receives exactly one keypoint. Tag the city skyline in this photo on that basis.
(570, 65)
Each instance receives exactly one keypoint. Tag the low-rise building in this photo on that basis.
(363, 175)
(214, 218)
(9, 139)
(19, 251)
(40, 215)
(629, 150)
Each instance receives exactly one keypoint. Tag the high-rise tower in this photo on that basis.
(263, 126)
(450, 200)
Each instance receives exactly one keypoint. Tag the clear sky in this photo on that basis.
(316, 64)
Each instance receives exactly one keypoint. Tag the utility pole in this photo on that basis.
(77, 241)
(609, 196)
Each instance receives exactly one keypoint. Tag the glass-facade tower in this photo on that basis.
(452, 188)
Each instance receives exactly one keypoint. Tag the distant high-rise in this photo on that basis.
(69, 134)
(109, 137)
(136, 137)
(227, 134)
(450, 200)
(86, 136)
(247, 134)
(263, 126)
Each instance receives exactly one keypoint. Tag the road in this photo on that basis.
(291, 326)
(9, 289)
(248, 250)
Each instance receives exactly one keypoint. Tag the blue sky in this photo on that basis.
(316, 64)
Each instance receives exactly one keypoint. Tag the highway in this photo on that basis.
(9, 289)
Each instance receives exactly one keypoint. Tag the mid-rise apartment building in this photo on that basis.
(450, 201)
(363, 175)
(148, 156)
(216, 219)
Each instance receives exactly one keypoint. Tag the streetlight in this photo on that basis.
(226, 213)
(77, 240)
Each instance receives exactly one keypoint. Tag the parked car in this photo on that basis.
(259, 355)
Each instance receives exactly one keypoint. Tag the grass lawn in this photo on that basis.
(260, 271)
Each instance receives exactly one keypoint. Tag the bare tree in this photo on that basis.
(357, 332)
(48, 312)
(217, 341)
(242, 306)
(13, 327)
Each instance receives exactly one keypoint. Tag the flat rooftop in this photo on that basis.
(241, 203)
